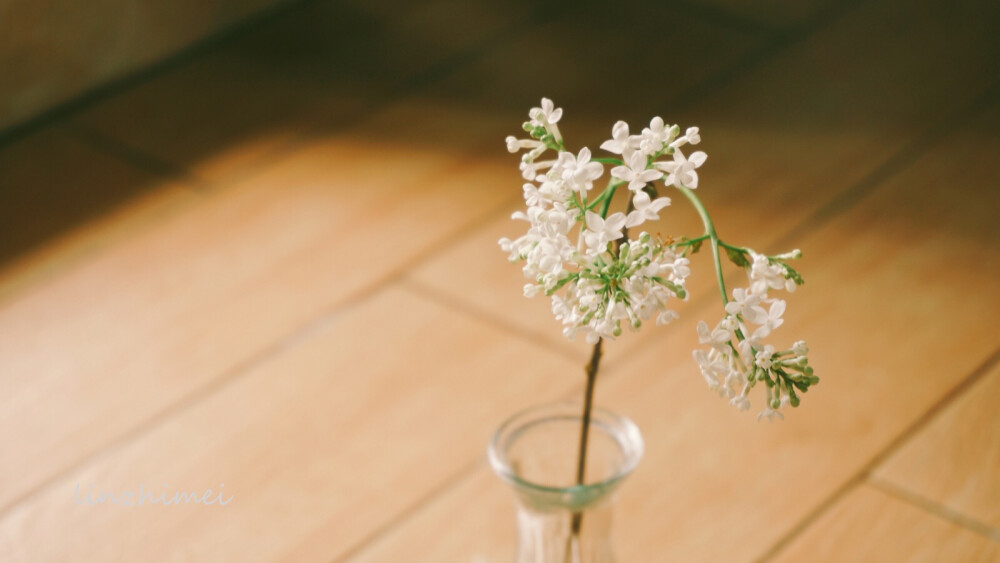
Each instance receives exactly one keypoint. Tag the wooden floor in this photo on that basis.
(269, 267)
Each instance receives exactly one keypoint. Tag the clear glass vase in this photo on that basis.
(536, 452)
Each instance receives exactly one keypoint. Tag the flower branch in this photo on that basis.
(598, 287)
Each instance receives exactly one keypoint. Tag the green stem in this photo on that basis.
(690, 242)
(734, 247)
(588, 406)
(606, 204)
(712, 236)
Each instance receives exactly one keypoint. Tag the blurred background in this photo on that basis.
(250, 245)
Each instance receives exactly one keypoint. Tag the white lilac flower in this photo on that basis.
(682, 171)
(601, 231)
(750, 359)
(530, 170)
(646, 209)
(763, 358)
(746, 304)
(657, 135)
(770, 321)
(620, 140)
(579, 172)
(766, 275)
(691, 136)
(769, 414)
(720, 336)
(741, 402)
(547, 116)
(599, 279)
(666, 317)
(514, 144)
(635, 171)
(714, 368)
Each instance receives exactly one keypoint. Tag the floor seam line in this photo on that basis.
(139, 159)
(441, 298)
(862, 475)
(456, 479)
(235, 373)
(938, 509)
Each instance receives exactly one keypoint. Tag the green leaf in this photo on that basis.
(738, 257)
(793, 275)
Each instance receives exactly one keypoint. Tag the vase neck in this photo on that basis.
(547, 537)
(535, 452)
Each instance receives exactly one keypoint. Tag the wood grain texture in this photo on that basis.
(955, 460)
(318, 446)
(175, 307)
(868, 525)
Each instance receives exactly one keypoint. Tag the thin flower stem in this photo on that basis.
(607, 160)
(690, 242)
(588, 405)
(712, 236)
(608, 195)
(734, 247)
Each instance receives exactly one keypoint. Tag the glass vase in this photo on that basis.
(536, 452)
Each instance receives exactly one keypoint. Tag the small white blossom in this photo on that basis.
(667, 317)
(747, 305)
(547, 116)
(681, 172)
(657, 135)
(578, 171)
(717, 338)
(741, 402)
(763, 357)
(601, 231)
(770, 321)
(514, 144)
(621, 141)
(690, 136)
(635, 171)
(769, 414)
(765, 275)
(646, 209)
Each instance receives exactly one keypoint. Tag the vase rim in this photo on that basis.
(627, 435)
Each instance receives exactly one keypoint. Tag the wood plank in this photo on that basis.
(868, 525)
(478, 514)
(783, 141)
(161, 315)
(955, 460)
(79, 243)
(318, 446)
(51, 183)
(888, 337)
(321, 65)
